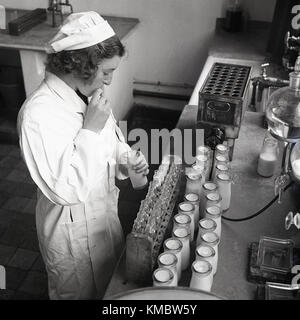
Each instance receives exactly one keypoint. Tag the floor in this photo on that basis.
(19, 251)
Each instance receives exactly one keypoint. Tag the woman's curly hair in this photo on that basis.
(83, 63)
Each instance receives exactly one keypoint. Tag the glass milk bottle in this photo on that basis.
(202, 277)
(207, 187)
(221, 168)
(174, 245)
(203, 161)
(211, 239)
(207, 253)
(193, 183)
(184, 236)
(224, 184)
(206, 150)
(268, 157)
(222, 150)
(213, 199)
(219, 159)
(205, 225)
(200, 169)
(194, 198)
(215, 213)
(163, 277)
(168, 260)
(182, 220)
(189, 209)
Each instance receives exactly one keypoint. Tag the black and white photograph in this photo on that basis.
(149, 150)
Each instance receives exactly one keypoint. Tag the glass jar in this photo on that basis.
(207, 187)
(224, 184)
(174, 245)
(182, 220)
(205, 252)
(222, 150)
(221, 168)
(206, 150)
(282, 111)
(184, 236)
(202, 277)
(211, 239)
(193, 183)
(268, 157)
(163, 277)
(205, 225)
(168, 260)
(213, 199)
(219, 159)
(194, 198)
(200, 169)
(203, 161)
(215, 213)
(189, 209)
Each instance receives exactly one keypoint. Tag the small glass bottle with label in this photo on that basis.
(194, 198)
(163, 277)
(168, 260)
(184, 236)
(174, 245)
(207, 253)
(189, 209)
(202, 277)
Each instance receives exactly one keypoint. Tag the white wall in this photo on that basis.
(173, 35)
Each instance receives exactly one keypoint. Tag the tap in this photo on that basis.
(259, 96)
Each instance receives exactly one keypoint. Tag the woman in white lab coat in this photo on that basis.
(73, 150)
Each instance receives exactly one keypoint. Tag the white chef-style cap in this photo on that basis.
(80, 30)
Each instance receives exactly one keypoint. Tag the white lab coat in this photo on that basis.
(78, 228)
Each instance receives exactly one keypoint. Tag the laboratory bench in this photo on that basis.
(250, 193)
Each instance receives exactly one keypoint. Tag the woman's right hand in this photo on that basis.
(97, 113)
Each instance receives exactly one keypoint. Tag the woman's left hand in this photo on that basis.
(141, 165)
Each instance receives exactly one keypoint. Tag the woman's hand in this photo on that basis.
(141, 165)
(98, 111)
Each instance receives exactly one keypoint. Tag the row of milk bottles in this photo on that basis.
(198, 220)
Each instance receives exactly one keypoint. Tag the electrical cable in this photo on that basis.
(260, 211)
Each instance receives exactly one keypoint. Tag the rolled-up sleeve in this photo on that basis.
(65, 169)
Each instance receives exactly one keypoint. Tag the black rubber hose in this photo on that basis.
(258, 212)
